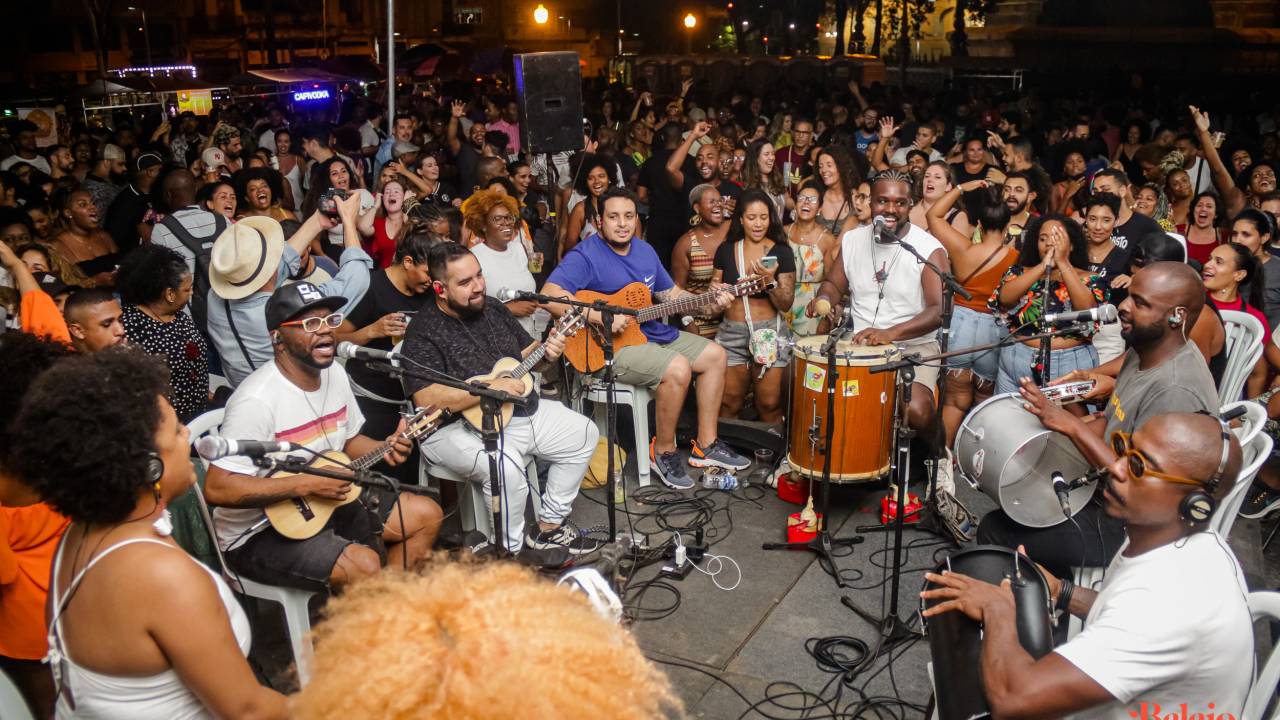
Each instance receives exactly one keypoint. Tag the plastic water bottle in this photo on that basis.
(717, 479)
(619, 493)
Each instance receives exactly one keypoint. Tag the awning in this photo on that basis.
(297, 75)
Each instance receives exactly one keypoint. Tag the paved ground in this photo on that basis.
(727, 650)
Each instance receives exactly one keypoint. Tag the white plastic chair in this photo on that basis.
(638, 398)
(12, 704)
(1255, 453)
(295, 601)
(1251, 423)
(1264, 606)
(473, 510)
(1244, 347)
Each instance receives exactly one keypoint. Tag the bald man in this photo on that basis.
(188, 228)
(1162, 372)
(1169, 630)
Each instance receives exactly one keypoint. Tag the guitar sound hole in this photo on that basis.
(304, 509)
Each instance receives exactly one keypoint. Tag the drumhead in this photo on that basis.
(847, 352)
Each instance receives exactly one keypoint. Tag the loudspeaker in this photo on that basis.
(549, 93)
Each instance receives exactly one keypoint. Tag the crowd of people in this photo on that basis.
(157, 268)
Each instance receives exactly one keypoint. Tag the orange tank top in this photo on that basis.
(982, 285)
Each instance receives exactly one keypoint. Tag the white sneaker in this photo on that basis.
(946, 479)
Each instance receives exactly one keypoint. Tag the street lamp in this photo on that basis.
(146, 31)
(540, 14)
(690, 21)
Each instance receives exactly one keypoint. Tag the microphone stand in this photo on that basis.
(1040, 369)
(823, 543)
(491, 402)
(609, 378)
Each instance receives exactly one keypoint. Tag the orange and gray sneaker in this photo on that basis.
(717, 454)
(669, 468)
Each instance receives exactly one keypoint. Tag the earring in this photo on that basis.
(695, 221)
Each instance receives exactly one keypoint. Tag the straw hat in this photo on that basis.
(245, 256)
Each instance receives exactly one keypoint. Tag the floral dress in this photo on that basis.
(810, 272)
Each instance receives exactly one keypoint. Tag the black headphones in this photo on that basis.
(1198, 506)
(155, 468)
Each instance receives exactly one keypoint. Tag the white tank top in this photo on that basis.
(884, 280)
(162, 696)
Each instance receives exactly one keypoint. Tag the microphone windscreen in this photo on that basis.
(822, 306)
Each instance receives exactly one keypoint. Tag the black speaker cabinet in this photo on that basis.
(549, 92)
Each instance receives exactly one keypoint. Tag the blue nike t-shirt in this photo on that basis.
(593, 265)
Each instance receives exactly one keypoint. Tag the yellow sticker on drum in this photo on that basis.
(850, 388)
(814, 377)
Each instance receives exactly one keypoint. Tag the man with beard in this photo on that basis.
(606, 263)
(303, 397)
(61, 162)
(25, 143)
(1162, 372)
(893, 298)
(668, 205)
(866, 134)
(104, 178)
(187, 142)
(1152, 639)
(707, 161)
(466, 152)
(126, 215)
(226, 137)
(463, 333)
(1020, 195)
(401, 132)
(796, 155)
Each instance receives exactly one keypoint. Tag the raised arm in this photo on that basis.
(675, 175)
(956, 244)
(1233, 197)
(456, 110)
(887, 130)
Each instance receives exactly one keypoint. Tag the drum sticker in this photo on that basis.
(850, 388)
(978, 457)
(814, 377)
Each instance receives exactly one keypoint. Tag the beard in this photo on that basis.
(1142, 335)
(466, 312)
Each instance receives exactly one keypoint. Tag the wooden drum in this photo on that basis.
(864, 410)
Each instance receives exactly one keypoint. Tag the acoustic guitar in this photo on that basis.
(586, 354)
(301, 518)
(565, 327)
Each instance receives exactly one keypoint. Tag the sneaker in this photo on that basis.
(553, 558)
(955, 517)
(562, 537)
(671, 470)
(945, 482)
(718, 454)
(1260, 501)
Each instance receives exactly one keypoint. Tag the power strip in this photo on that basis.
(676, 572)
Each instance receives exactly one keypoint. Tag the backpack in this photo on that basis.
(200, 279)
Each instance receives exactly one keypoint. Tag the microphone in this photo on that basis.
(822, 306)
(1102, 313)
(1060, 488)
(212, 447)
(351, 351)
(878, 232)
(507, 295)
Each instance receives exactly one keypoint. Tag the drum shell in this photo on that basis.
(863, 432)
(1003, 450)
(955, 641)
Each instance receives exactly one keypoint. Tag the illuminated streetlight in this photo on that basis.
(540, 14)
(690, 21)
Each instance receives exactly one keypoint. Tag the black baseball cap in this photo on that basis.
(52, 284)
(290, 301)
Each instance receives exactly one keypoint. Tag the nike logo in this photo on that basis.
(648, 280)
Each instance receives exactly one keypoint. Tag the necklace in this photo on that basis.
(306, 396)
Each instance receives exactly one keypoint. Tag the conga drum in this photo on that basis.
(863, 431)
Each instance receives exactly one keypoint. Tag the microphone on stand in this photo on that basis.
(879, 232)
(351, 351)
(507, 295)
(1061, 489)
(1102, 313)
(212, 447)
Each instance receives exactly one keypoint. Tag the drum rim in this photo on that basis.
(809, 346)
(1044, 581)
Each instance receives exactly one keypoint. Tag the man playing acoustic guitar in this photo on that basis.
(607, 263)
(304, 398)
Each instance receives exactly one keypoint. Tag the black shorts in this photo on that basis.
(272, 558)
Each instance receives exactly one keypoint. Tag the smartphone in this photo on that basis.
(1068, 392)
(769, 262)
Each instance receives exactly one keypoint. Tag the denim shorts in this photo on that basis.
(1016, 361)
(970, 328)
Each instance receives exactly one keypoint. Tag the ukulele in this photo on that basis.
(585, 352)
(567, 326)
(303, 517)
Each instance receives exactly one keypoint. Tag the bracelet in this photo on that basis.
(1065, 591)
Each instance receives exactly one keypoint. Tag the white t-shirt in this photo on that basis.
(267, 406)
(1170, 626)
(366, 204)
(369, 135)
(38, 161)
(1201, 176)
(510, 269)
(903, 296)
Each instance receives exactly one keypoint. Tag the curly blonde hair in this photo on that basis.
(475, 642)
(475, 210)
